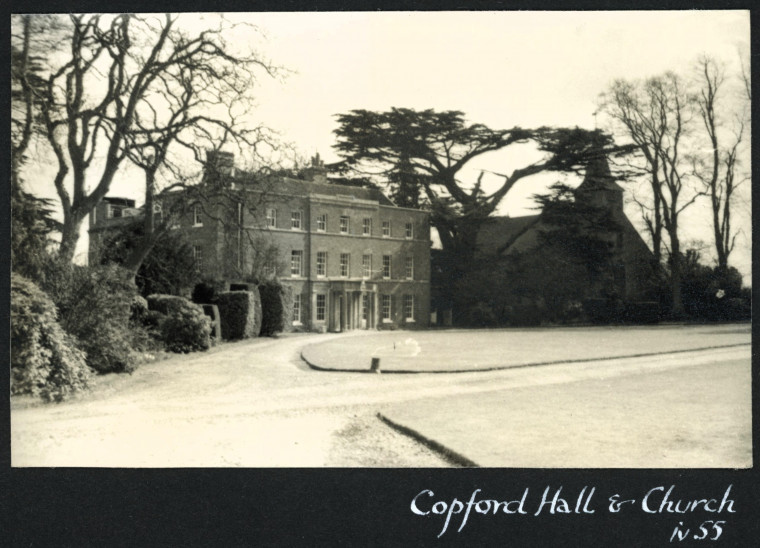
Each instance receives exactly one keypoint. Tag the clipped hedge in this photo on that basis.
(276, 308)
(45, 361)
(186, 328)
(166, 304)
(240, 314)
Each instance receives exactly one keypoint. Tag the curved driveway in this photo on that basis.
(255, 403)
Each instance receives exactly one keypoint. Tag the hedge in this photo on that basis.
(276, 307)
(166, 304)
(45, 361)
(186, 328)
(240, 314)
(94, 305)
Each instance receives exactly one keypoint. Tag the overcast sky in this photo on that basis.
(502, 69)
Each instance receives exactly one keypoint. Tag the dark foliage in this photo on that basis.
(276, 307)
(32, 224)
(240, 314)
(94, 305)
(186, 328)
(169, 267)
(45, 360)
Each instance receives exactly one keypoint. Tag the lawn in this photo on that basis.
(693, 416)
(470, 350)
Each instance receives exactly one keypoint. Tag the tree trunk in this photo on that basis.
(72, 223)
(675, 274)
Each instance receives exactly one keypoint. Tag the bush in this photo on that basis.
(166, 304)
(276, 308)
(186, 328)
(525, 315)
(205, 292)
(94, 305)
(44, 359)
(240, 314)
(642, 312)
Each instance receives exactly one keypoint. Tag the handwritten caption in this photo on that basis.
(657, 500)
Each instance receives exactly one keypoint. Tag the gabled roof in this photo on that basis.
(496, 232)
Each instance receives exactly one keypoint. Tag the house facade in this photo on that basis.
(352, 259)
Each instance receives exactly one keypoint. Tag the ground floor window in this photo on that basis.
(297, 309)
(386, 308)
(321, 307)
(198, 257)
(409, 307)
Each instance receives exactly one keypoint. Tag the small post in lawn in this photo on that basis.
(375, 365)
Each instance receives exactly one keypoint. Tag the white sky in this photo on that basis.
(502, 69)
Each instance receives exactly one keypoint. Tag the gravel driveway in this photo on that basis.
(257, 404)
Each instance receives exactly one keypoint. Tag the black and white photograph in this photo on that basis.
(386, 240)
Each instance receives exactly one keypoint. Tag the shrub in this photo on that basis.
(240, 314)
(166, 304)
(205, 292)
(44, 359)
(276, 308)
(186, 328)
(642, 312)
(94, 305)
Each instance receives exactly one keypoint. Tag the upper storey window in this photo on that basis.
(367, 227)
(386, 229)
(271, 217)
(344, 224)
(322, 222)
(197, 219)
(295, 220)
(409, 231)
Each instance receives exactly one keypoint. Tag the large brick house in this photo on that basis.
(352, 258)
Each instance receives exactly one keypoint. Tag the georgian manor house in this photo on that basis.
(352, 258)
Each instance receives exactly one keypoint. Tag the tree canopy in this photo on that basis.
(422, 153)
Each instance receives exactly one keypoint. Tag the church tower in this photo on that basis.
(599, 188)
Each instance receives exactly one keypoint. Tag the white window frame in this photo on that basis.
(409, 267)
(386, 229)
(320, 311)
(386, 307)
(345, 224)
(387, 267)
(367, 226)
(296, 220)
(271, 217)
(296, 263)
(198, 257)
(367, 266)
(345, 265)
(197, 219)
(409, 231)
(322, 222)
(323, 264)
(297, 309)
(409, 307)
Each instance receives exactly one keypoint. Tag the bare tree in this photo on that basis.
(103, 99)
(200, 103)
(656, 114)
(718, 171)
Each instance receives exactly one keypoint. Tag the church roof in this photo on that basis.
(599, 177)
(498, 231)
